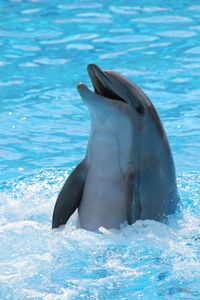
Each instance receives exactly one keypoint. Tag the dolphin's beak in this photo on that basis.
(101, 83)
(98, 78)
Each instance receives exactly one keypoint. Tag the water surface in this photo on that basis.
(45, 48)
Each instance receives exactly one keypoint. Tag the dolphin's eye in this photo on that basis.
(140, 109)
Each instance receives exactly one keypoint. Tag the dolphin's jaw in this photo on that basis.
(100, 83)
(114, 86)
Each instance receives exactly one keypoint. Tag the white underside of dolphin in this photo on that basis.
(128, 171)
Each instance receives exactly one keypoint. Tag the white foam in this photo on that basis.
(69, 262)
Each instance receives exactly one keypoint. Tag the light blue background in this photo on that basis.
(44, 126)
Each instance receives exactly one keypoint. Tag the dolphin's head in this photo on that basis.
(111, 90)
(113, 85)
(115, 93)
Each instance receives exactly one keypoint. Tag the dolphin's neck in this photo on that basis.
(110, 145)
(104, 153)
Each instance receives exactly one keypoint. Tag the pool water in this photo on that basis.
(45, 48)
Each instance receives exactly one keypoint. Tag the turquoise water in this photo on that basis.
(45, 48)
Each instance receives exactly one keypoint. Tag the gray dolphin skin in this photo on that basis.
(128, 172)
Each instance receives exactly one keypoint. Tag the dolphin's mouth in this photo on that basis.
(101, 84)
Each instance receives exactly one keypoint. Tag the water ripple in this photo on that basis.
(30, 11)
(91, 5)
(88, 20)
(193, 50)
(26, 47)
(77, 37)
(50, 61)
(42, 34)
(132, 10)
(125, 10)
(163, 19)
(194, 7)
(80, 46)
(177, 33)
(126, 39)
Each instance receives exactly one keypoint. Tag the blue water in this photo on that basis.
(45, 47)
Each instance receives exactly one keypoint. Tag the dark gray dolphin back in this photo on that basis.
(157, 196)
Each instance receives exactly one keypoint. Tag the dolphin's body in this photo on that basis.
(128, 172)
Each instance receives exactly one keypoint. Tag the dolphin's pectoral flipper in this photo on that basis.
(70, 196)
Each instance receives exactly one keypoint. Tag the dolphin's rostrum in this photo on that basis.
(128, 172)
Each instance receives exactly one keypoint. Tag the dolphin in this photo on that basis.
(128, 172)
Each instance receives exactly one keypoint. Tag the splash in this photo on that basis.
(69, 263)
